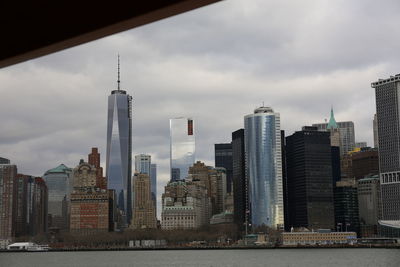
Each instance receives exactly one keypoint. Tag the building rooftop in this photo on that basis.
(390, 223)
(263, 110)
(59, 169)
(395, 78)
(369, 178)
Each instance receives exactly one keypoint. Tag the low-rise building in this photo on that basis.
(185, 205)
(389, 228)
(321, 237)
(222, 218)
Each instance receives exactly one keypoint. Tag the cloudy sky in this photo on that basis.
(215, 64)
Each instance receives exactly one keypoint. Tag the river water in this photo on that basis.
(257, 257)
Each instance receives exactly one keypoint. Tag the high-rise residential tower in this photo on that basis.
(119, 151)
(309, 179)
(8, 173)
(345, 133)
(182, 147)
(31, 200)
(387, 92)
(264, 167)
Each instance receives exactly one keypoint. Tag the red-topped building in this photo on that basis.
(94, 159)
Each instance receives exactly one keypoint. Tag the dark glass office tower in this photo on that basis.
(239, 178)
(119, 153)
(223, 158)
(346, 206)
(309, 179)
(284, 183)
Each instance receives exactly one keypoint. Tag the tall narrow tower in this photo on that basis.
(387, 93)
(182, 147)
(119, 152)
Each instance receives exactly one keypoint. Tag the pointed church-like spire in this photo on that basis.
(332, 122)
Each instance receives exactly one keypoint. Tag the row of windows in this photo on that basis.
(179, 218)
(391, 177)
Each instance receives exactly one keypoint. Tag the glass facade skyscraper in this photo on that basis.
(182, 147)
(59, 185)
(223, 158)
(264, 167)
(119, 153)
(308, 180)
(240, 191)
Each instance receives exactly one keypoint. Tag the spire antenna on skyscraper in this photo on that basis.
(118, 81)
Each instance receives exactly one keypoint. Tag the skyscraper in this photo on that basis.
(264, 167)
(119, 151)
(30, 205)
(223, 158)
(144, 214)
(239, 178)
(143, 164)
(346, 133)
(309, 179)
(182, 147)
(387, 92)
(59, 185)
(8, 173)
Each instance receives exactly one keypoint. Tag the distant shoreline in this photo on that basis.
(208, 248)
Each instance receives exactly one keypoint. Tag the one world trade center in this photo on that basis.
(119, 154)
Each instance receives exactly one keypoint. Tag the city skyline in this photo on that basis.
(87, 72)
